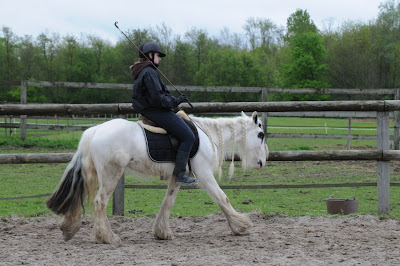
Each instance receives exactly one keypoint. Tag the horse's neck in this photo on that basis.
(225, 132)
(229, 134)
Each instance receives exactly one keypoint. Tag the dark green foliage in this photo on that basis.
(355, 55)
(306, 66)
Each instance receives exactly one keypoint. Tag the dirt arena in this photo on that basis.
(363, 240)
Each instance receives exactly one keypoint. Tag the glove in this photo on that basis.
(182, 98)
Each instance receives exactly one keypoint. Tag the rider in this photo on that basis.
(152, 99)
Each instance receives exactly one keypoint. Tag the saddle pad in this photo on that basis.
(161, 148)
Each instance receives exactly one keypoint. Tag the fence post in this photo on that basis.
(383, 143)
(349, 133)
(396, 131)
(22, 127)
(119, 192)
(264, 96)
(119, 197)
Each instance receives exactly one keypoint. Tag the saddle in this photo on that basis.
(161, 146)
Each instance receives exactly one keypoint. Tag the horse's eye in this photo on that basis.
(261, 136)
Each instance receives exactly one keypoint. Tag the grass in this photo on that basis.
(20, 180)
(36, 179)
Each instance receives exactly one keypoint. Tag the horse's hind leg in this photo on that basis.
(161, 229)
(239, 223)
(102, 229)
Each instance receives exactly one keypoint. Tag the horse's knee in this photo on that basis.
(99, 202)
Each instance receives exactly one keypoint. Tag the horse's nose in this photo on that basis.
(260, 163)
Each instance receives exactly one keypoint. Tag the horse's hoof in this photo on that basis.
(116, 242)
(113, 240)
(164, 236)
(241, 232)
(67, 236)
(241, 225)
(69, 232)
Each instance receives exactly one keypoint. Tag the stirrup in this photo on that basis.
(193, 181)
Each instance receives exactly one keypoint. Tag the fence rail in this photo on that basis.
(126, 108)
(329, 155)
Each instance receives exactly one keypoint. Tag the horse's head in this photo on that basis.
(255, 151)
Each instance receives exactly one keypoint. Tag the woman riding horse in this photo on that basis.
(152, 99)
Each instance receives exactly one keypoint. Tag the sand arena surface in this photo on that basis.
(364, 240)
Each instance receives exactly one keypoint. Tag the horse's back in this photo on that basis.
(115, 138)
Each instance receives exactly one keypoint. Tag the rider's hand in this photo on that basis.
(182, 98)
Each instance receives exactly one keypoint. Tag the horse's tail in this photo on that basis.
(78, 181)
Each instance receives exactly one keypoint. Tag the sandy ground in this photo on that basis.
(359, 240)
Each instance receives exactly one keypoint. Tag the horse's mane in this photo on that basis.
(215, 126)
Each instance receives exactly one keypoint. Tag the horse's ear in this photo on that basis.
(255, 118)
(243, 114)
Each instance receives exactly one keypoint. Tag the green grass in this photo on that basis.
(34, 179)
(35, 142)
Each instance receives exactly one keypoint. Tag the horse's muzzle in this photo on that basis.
(260, 163)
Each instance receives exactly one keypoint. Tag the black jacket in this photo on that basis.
(150, 93)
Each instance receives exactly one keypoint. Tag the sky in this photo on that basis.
(76, 17)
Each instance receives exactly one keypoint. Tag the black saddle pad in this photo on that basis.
(162, 147)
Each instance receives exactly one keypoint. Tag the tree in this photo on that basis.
(298, 23)
(3, 67)
(68, 51)
(201, 43)
(235, 40)
(11, 59)
(388, 40)
(85, 65)
(263, 33)
(228, 67)
(28, 58)
(47, 47)
(306, 68)
(183, 67)
(98, 46)
(352, 57)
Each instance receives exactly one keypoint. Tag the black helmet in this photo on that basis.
(148, 47)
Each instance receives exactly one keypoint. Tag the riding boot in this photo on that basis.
(180, 170)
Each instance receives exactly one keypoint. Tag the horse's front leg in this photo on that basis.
(161, 229)
(102, 228)
(239, 223)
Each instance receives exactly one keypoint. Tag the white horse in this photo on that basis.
(106, 150)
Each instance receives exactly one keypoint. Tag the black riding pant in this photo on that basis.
(174, 125)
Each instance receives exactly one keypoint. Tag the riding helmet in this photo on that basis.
(150, 47)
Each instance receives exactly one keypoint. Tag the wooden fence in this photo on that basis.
(264, 92)
(383, 155)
